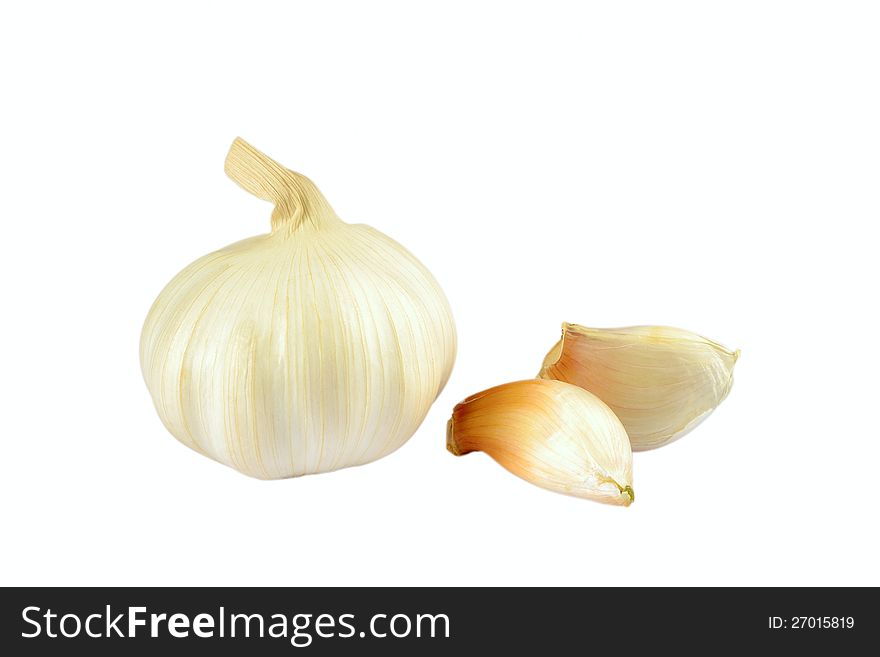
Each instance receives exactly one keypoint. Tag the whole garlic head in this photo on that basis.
(318, 346)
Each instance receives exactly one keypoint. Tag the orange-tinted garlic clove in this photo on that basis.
(552, 434)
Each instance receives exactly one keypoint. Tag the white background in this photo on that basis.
(712, 166)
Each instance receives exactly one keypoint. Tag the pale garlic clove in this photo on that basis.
(552, 434)
(660, 381)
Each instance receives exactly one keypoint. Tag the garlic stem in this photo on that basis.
(297, 199)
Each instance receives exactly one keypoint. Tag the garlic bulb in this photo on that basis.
(660, 381)
(318, 346)
(552, 434)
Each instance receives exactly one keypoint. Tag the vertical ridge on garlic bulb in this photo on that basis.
(317, 346)
(552, 434)
(660, 381)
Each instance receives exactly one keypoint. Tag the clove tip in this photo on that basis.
(451, 446)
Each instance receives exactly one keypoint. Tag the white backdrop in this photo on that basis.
(712, 166)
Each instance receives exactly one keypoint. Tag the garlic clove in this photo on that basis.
(660, 381)
(552, 434)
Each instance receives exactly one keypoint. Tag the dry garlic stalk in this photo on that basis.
(660, 381)
(552, 434)
(317, 346)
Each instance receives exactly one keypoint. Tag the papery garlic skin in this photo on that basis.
(552, 434)
(318, 346)
(660, 381)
